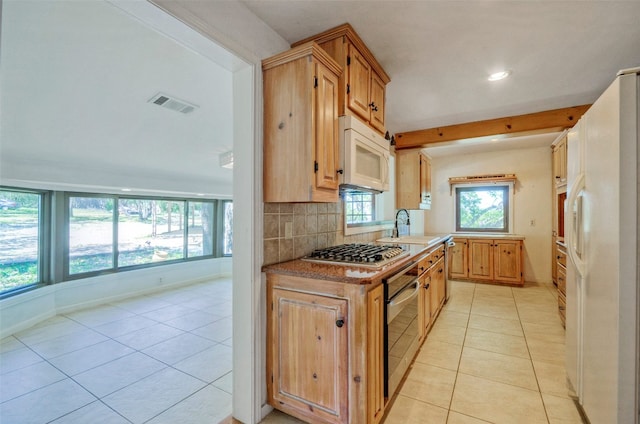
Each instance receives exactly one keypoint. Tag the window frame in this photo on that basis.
(507, 187)
(43, 260)
(116, 267)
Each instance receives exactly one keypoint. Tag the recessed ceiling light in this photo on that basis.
(497, 76)
(199, 194)
(126, 189)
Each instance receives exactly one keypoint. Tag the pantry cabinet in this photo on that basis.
(363, 82)
(301, 155)
(413, 180)
(487, 259)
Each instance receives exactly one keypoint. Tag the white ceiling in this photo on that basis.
(76, 75)
(76, 78)
(439, 53)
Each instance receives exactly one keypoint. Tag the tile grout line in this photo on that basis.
(455, 381)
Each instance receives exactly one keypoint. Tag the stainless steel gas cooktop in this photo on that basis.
(369, 255)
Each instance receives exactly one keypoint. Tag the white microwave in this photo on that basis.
(365, 156)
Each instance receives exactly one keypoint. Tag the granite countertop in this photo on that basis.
(352, 274)
(489, 235)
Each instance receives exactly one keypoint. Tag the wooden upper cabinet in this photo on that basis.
(310, 369)
(359, 83)
(413, 180)
(559, 155)
(326, 142)
(378, 102)
(363, 81)
(301, 156)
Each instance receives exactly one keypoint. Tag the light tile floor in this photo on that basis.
(160, 358)
(494, 355)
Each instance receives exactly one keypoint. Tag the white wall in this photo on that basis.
(532, 200)
(24, 310)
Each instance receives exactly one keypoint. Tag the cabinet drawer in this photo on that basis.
(561, 256)
(562, 281)
(562, 305)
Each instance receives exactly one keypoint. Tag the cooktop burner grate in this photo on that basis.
(358, 254)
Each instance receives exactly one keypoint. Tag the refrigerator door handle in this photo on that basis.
(575, 233)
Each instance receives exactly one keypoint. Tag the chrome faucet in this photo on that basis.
(403, 215)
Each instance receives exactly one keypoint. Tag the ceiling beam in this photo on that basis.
(557, 119)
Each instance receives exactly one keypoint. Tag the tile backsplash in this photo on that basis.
(312, 226)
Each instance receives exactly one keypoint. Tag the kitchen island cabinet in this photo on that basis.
(482, 259)
(301, 155)
(326, 334)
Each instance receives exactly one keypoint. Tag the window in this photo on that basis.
(200, 229)
(21, 239)
(359, 208)
(108, 233)
(227, 248)
(90, 234)
(483, 208)
(150, 230)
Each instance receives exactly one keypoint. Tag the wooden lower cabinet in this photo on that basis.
(375, 360)
(325, 350)
(485, 259)
(481, 259)
(561, 279)
(458, 264)
(424, 304)
(310, 369)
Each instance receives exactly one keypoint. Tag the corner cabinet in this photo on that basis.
(487, 260)
(363, 83)
(301, 155)
(413, 180)
(325, 349)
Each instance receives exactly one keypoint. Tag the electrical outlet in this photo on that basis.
(160, 280)
(532, 223)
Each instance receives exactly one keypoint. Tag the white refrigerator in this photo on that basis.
(601, 233)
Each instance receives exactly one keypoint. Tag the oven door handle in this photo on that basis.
(397, 303)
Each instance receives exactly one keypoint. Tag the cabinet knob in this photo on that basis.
(426, 286)
(340, 323)
(340, 171)
(373, 106)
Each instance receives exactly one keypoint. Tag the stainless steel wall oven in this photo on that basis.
(401, 333)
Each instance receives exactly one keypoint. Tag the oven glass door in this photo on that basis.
(401, 333)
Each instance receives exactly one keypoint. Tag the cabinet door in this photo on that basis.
(481, 259)
(310, 359)
(425, 182)
(424, 310)
(407, 179)
(375, 355)
(439, 281)
(507, 263)
(458, 264)
(377, 102)
(359, 83)
(326, 113)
